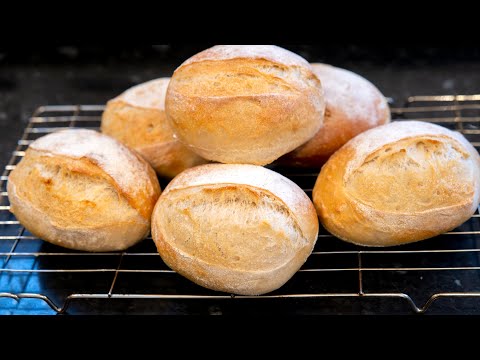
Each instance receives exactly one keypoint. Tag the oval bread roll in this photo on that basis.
(398, 183)
(241, 229)
(244, 103)
(83, 190)
(353, 105)
(137, 119)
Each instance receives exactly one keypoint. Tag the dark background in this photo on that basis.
(31, 76)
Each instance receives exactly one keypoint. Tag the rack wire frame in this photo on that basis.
(458, 112)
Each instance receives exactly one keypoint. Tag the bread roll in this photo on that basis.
(244, 103)
(398, 183)
(83, 190)
(241, 229)
(137, 119)
(353, 105)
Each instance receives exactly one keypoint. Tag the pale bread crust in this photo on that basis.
(398, 183)
(83, 190)
(244, 104)
(251, 204)
(137, 119)
(353, 105)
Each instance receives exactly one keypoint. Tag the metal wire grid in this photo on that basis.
(33, 269)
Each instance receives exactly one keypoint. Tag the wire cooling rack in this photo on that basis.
(37, 277)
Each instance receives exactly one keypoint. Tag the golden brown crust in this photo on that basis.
(398, 183)
(254, 177)
(170, 158)
(353, 105)
(148, 198)
(137, 118)
(126, 231)
(234, 228)
(129, 173)
(77, 199)
(120, 119)
(244, 108)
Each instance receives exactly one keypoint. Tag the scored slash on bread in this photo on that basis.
(398, 183)
(241, 229)
(244, 104)
(83, 190)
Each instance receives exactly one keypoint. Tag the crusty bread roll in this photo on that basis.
(398, 183)
(137, 119)
(236, 228)
(245, 103)
(352, 106)
(83, 190)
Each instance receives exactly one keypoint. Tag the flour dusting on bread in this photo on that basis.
(390, 133)
(359, 98)
(150, 94)
(114, 158)
(268, 52)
